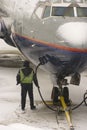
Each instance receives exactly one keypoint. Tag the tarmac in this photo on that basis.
(43, 117)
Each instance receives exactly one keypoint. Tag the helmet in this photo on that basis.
(26, 63)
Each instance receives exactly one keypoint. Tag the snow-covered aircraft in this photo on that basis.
(53, 32)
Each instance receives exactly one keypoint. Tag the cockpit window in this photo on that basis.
(81, 11)
(62, 11)
(70, 11)
(46, 12)
(39, 11)
(56, 1)
(78, 1)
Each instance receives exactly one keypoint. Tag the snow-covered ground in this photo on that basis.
(11, 117)
(42, 118)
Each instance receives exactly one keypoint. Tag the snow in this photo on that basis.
(16, 126)
(4, 46)
(42, 118)
(74, 33)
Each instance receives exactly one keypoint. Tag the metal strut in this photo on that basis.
(64, 105)
(63, 102)
(67, 113)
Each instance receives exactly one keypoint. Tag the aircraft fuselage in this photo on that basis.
(56, 31)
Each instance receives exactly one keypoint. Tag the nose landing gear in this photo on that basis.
(60, 97)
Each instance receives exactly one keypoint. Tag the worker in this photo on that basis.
(25, 78)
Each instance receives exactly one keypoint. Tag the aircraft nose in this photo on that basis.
(73, 33)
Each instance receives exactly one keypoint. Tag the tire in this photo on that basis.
(66, 94)
(55, 94)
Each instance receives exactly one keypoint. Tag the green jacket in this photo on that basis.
(26, 75)
(26, 78)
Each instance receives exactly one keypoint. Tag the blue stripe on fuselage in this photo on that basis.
(28, 42)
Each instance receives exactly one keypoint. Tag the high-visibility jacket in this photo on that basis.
(26, 79)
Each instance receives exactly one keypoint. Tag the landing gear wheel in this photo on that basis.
(66, 95)
(55, 94)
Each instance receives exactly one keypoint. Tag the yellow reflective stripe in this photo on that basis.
(26, 79)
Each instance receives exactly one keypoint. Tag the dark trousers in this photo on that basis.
(26, 88)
